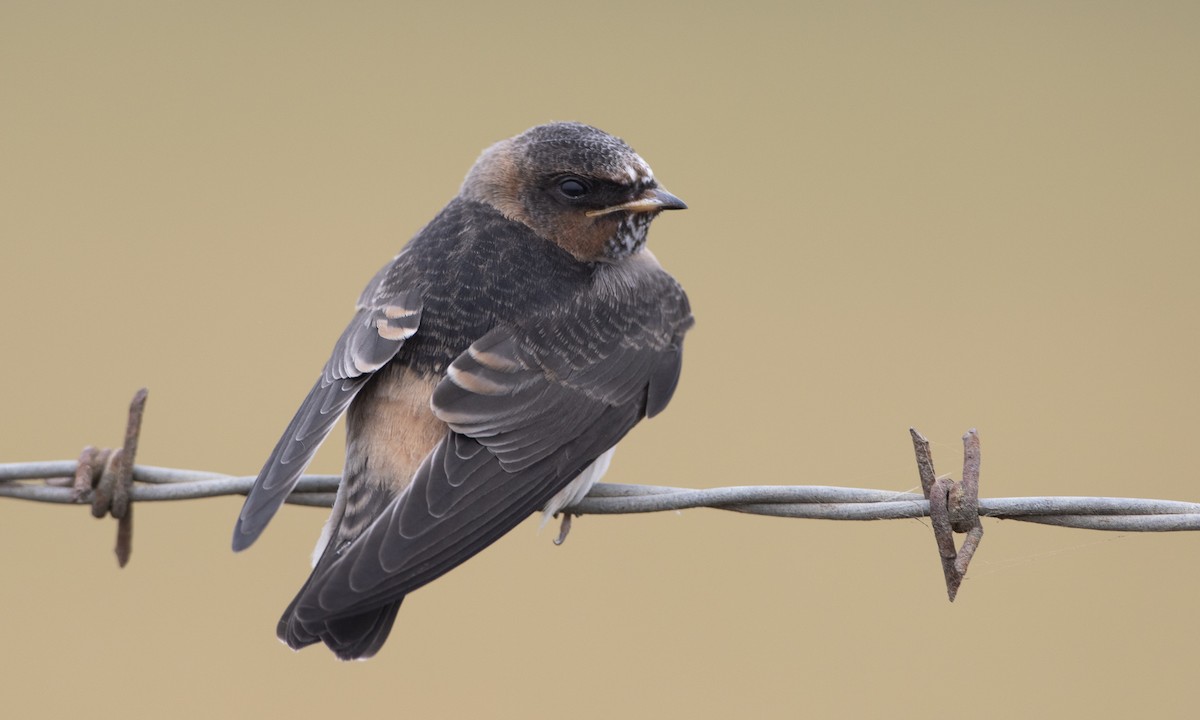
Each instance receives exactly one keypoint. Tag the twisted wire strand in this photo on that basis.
(815, 502)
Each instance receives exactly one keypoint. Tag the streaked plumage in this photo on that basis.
(510, 345)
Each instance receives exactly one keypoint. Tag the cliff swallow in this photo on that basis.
(489, 371)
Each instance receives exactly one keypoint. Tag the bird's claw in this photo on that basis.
(564, 529)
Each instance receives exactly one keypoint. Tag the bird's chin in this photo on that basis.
(630, 234)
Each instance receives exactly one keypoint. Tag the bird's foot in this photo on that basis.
(564, 529)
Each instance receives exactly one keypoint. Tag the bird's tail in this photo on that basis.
(356, 637)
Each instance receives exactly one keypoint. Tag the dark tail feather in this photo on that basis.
(351, 637)
(356, 637)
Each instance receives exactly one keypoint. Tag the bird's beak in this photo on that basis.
(655, 199)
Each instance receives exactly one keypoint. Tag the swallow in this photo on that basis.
(489, 371)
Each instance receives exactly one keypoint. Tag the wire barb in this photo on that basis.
(953, 507)
(106, 477)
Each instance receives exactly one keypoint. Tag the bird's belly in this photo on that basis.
(390, 427)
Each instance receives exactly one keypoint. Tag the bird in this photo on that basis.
(488, 372)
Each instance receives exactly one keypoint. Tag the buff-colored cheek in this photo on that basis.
(585, 237)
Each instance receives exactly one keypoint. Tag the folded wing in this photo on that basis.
(374, 336)
(529, 408)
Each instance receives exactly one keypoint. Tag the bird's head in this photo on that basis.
(576, 186)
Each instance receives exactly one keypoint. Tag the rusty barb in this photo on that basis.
(953, 507)
(105, 476)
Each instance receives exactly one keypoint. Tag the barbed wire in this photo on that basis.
(809, 502)
(109, 481)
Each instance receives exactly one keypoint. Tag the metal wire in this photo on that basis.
(815, 502)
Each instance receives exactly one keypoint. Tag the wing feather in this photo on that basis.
(372, 338)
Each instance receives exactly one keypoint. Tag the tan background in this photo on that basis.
(941, 214)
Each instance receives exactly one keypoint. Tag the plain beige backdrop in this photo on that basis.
(935, 214)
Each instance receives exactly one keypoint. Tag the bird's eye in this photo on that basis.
(572, 187)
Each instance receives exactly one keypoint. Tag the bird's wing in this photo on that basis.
(383, 322)
(528, 408)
